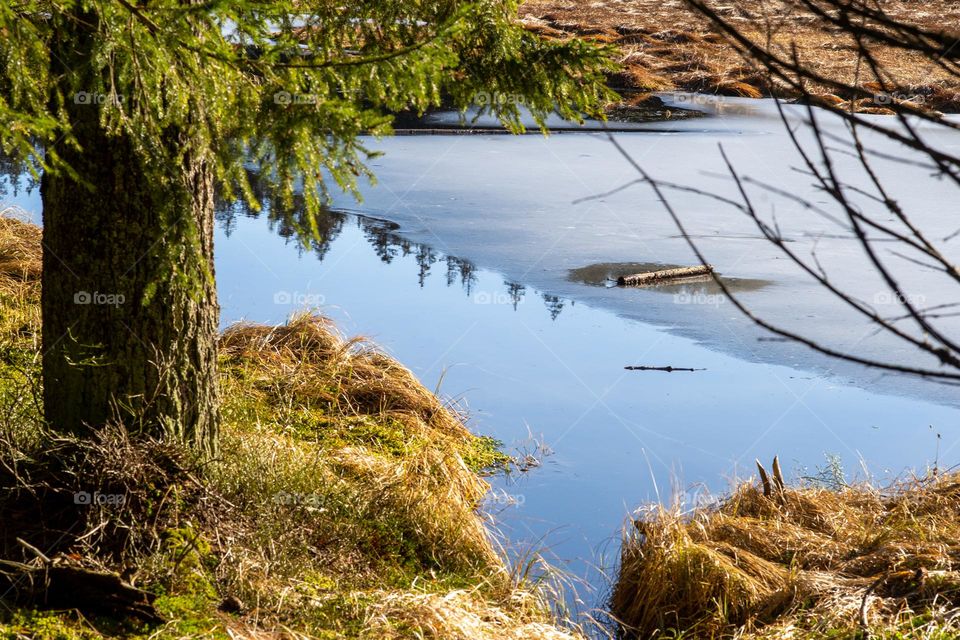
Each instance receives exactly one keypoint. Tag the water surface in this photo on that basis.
(477, 263)
(527, 362)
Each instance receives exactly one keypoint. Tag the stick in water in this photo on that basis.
(668, 369)
(652, 277)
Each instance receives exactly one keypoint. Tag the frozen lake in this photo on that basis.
(515, 205)
(477, 263)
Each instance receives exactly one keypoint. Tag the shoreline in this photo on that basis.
(689, 54)
(346, 500)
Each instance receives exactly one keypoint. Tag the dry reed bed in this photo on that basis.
(666, 46)
(803, 563)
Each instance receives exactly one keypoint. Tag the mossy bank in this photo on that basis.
(345, 501)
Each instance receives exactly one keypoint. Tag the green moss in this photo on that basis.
(339, 615)
(190, 561)
(484, 454)
(189, 616)
(19, 623)
(43, 625)
(381, 434)
(386, 436)
(315, 583)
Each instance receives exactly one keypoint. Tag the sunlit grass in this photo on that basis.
(345, 500)
(807, 562)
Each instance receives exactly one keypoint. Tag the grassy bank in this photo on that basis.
(800, 563)
(666, 46)
(344, 503)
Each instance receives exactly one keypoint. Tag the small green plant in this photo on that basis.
(485, 455)
(830, 475)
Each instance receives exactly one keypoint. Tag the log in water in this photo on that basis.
(654, 277)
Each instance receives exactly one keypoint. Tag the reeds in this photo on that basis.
(811, 559)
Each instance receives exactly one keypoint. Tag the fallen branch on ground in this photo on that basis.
(50, 585)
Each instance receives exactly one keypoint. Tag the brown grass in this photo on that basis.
(20, 255)
(464, 615)
(305, 372)
(806, 560)
(20, 267)
(305, 355)
(666, 46)
(345, 501)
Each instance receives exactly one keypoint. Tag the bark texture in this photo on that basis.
(130, 315)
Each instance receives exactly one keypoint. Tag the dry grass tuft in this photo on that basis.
(462, 615)
(381, 431)
(20, 250)
(344, 503)
(20, 267)
(307, 358)
(807, 559)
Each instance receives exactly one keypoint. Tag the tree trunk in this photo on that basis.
(130, 315)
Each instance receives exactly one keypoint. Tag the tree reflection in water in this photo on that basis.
(291, 223)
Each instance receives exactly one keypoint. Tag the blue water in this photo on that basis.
(553, 369)
(537, 357)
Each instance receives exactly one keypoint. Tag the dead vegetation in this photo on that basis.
(802, 562)
(19, 250)
(19, 320)
(667, 46)
(345, 502)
